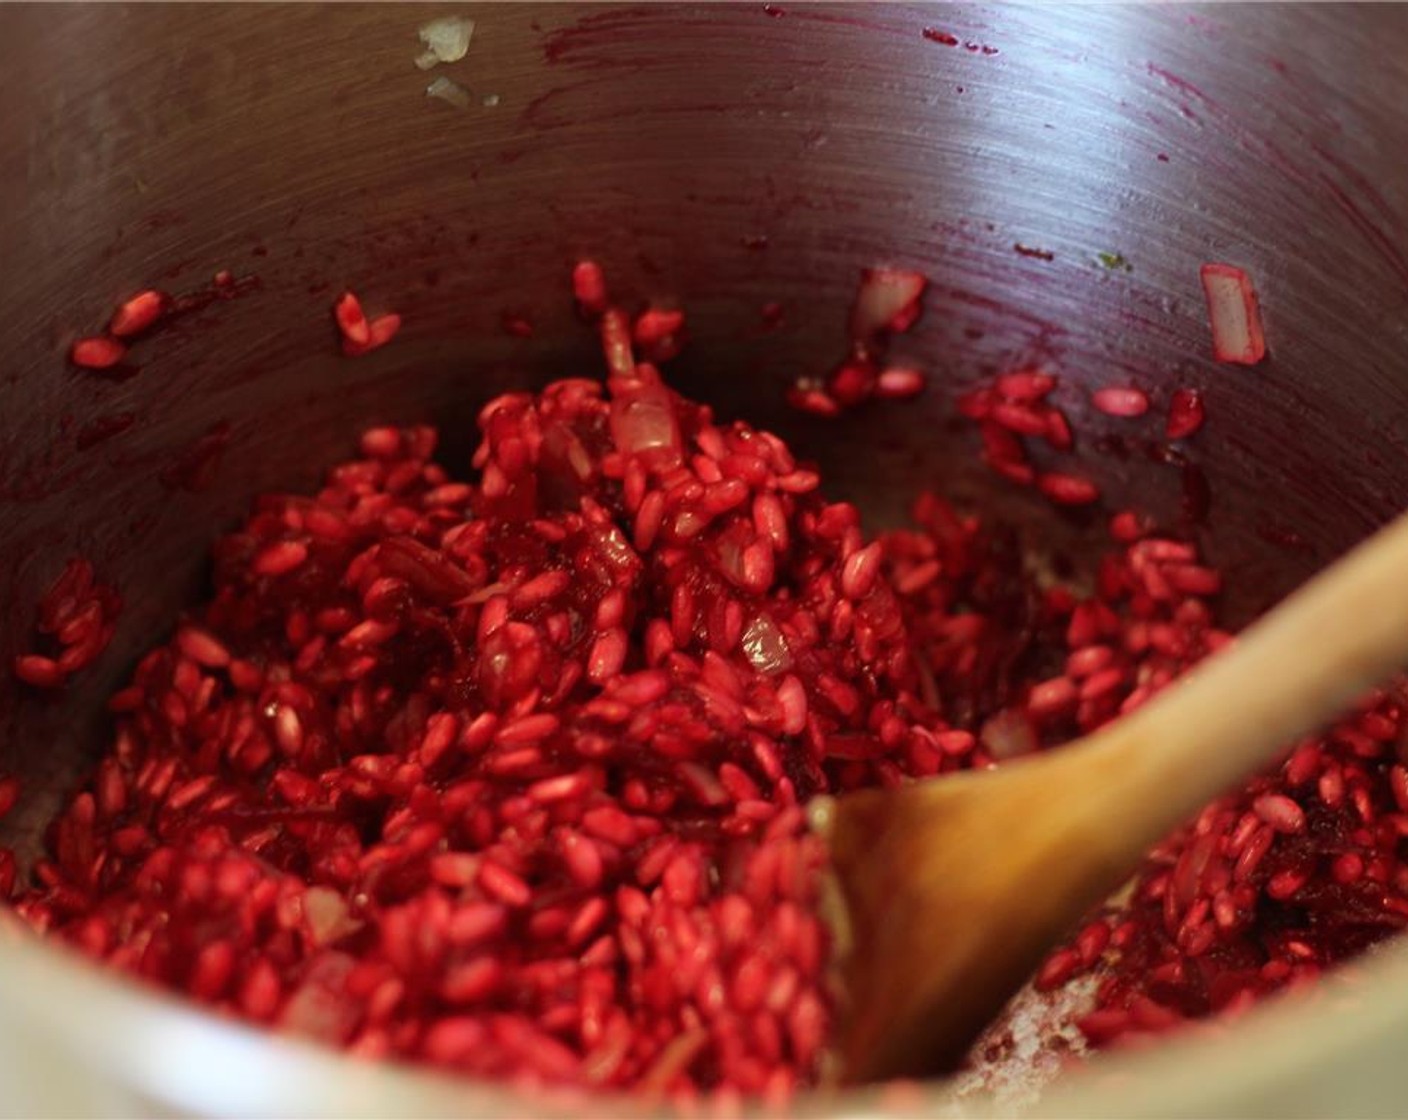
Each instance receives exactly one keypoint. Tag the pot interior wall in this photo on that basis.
(1058, 174)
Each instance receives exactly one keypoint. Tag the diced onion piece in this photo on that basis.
(616, 343)
(432, 573)
(327, 914)
(320, 1007)
(888, 300)
(647, 426)
(450, 92)
(447, 40)
(1008, 734)
(765, 646)
(704, 783)
(1233, 314)
(731, 558)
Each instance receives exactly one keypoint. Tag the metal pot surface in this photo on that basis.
(1058, 173)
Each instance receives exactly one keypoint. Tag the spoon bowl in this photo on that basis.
(951, 889)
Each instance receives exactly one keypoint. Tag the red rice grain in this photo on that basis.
(1185, 413)
(1067, 489)
(39, 671)
(899, 384)
(1120, 402)
(589, 287)
(806, 396)
(1025, 386)
(97, 352)
(138, 314)
(75, 620)
(380, 331)
(351, 320)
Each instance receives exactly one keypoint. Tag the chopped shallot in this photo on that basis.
(1233, 313)
(888, 300)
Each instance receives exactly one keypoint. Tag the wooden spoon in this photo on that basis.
(951, 890)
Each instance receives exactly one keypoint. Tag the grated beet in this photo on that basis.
(507, 775)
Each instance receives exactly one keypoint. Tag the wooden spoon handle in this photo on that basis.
(1339, 635)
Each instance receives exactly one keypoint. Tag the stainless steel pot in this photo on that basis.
(1058, 173)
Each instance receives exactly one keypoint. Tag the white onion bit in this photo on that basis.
(452, 93)
(446, 40)
(328, 918)
(765, 646)
(887, 300)
(1008, 734)
(644, 425)
(1233, 315)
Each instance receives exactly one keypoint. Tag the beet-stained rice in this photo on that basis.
(506, 775)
